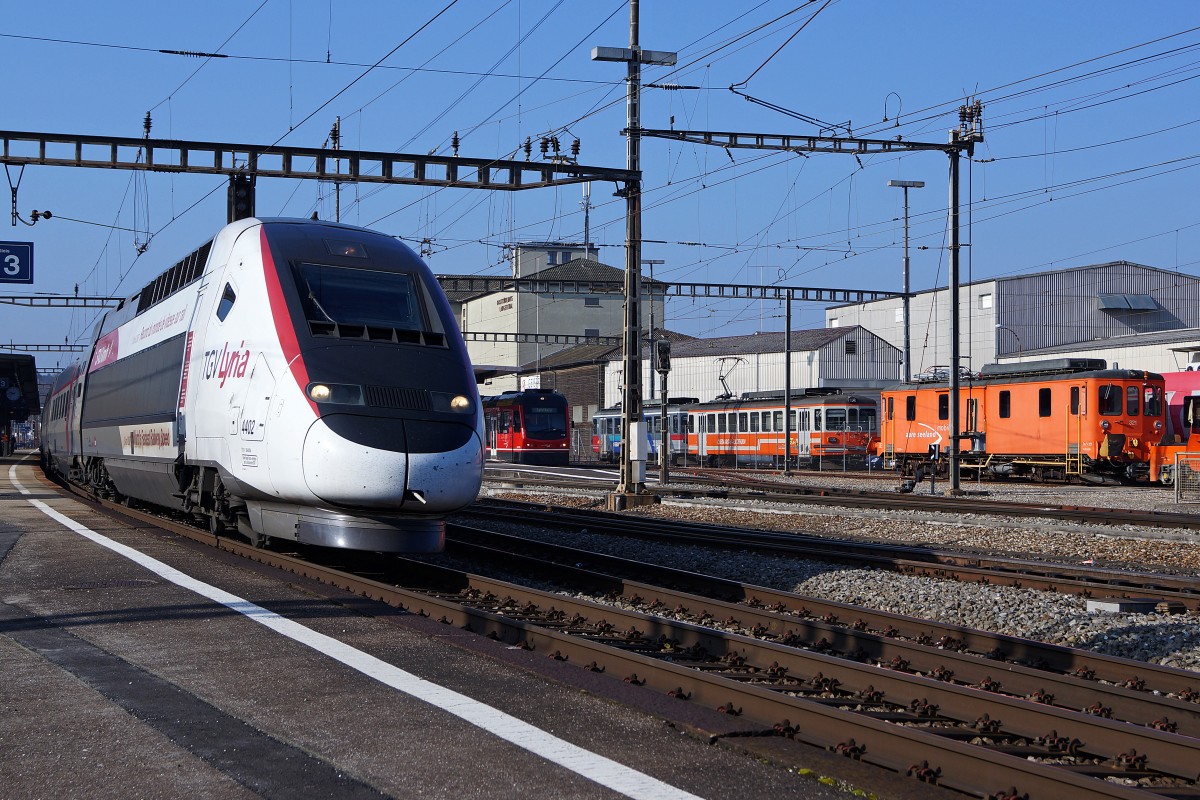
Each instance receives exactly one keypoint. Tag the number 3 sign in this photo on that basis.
(16, 262)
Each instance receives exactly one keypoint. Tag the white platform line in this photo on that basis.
(592, 766)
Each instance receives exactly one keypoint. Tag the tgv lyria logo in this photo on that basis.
(225, 364)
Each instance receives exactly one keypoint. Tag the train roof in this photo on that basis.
(1054, 369)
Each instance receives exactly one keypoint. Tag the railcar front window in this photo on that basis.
(835, 419)
(1133, 399)
(1110, 400)
(545, 422)
(1153, 402)
(360, 297)
(868, 419)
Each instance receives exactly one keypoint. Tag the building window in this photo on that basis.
(833, 323)
(591, 301)
(985, 301)
(851, 347)
(551, 258)
(900, 315)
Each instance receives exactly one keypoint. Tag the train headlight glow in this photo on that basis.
(341, 393)
(454, 403)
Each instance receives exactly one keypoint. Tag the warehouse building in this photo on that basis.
(1137, 316)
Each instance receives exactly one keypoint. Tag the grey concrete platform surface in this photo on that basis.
(116, 682)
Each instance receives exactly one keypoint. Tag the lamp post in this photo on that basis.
(1020, 348)
(906, 185)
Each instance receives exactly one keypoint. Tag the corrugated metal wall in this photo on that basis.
(1059, 308)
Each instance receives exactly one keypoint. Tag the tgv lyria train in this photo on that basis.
(290, 378)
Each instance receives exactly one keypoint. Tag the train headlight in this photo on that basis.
(454, 403)
(340, 393)
(1104, 426)
(1157, 425)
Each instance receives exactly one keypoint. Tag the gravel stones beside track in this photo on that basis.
(1171, 640)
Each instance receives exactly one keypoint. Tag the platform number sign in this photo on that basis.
(16, 262)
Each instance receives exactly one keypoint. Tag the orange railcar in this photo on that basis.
(750, 430)
(1061, 419)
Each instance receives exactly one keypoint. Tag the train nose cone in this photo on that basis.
(346, 472)
(416, 466)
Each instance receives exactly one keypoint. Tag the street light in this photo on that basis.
(1020, 349)
(906, 185)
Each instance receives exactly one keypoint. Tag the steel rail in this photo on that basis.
(1082, 679)
(1181, 590)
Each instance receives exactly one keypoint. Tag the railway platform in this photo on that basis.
(137, 664)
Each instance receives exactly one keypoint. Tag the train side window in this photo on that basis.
(502, 423)
(943, 406)
(777, 419)
(1133, 401)
(891, 408)
(766, 421)
(816, 419)
(516, 422)
(1110, 400)
(712, 423)
(910, 407)
(1005, 404)
(972, 415)
(743, 425)
(721, 423)
(1044, 407)
(1075, 400)
(225, 305)
(691, 423)
(754, 422)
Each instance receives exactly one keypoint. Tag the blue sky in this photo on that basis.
(1090, 120)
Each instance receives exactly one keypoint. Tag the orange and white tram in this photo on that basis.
(750, 431)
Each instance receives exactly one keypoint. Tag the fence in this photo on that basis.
(1187, 477)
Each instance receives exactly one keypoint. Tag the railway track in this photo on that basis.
(774, 492)
(1172, 592)
(975, 735)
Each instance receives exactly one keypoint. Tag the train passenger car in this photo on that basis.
(606, 430)
(750, 431)
(1059, 419)
(1182, 434)
(528, 427)
(290, 378)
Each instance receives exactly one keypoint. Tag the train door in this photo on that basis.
(489, 431)
(1076, 417)
(707, 424)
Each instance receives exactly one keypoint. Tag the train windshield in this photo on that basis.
(545, 420)
(360, 297)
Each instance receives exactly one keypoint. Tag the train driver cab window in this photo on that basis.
(504, 422)
(943, 406)
(1110, 400)
(1153, 405)
(891, 408)
(348, 296)
(868, 419)
(1133, 401)
(835, 419)
(1045, 409)
(1075, 401)
(225, 305)
(910, 407)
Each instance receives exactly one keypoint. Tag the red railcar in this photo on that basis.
(528, 427)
